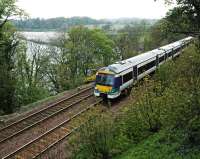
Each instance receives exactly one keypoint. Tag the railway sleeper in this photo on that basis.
(19, 157)
(10, 131)
(51, 139)
(49, 113)
(56, 109)
(34, 149)
(36, 117)
(54, 136)
(26, 154)
(31, 122)
(62, 133)
(25, 123)
(3, 135)
(18, 127)
(66, 130)
(67, 103)
(40, 146)
(43, 142)
(44, 114)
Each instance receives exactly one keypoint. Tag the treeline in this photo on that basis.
(59, 24)
(169, 106)
(62, 24)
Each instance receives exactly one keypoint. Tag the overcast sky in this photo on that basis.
(98, 9)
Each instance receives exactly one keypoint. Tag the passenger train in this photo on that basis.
(120, 77)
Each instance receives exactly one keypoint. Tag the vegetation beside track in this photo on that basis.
(165, 118)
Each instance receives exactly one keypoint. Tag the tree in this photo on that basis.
(8, 44)
(7, 78)
(81, 51)
(8, 9)
(128, 40)
(159, 34)
(85, 44)
(57, 71)
(31, 67)
(185, 17)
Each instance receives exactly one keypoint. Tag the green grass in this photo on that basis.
(156, 147)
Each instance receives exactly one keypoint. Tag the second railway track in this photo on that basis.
(32, 120)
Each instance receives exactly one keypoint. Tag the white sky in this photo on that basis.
(98, 9)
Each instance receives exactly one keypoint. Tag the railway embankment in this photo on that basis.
(35, 132)
(36, 106)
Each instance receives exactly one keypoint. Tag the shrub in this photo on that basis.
(96, 139)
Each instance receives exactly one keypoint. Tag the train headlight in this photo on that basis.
(114, 90)
(96, 90)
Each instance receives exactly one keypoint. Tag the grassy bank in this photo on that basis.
(157, 147)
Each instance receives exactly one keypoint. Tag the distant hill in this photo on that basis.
(61, 23)
(130, 20)
(54, 23)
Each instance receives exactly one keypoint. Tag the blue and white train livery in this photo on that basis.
(111, 81)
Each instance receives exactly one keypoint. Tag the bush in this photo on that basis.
(193, 131)
(96, 139)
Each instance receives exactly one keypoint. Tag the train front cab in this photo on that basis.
(107, 85)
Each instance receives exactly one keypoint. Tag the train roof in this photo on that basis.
(125, 64)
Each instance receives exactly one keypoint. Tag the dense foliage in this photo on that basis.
(8, 43)
(169, 107)
(186, 16)
(129, 40)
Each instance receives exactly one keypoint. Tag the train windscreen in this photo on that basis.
(105, 79)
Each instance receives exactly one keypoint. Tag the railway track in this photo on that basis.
(46, 141)
(24, 124)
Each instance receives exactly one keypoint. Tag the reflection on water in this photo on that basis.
(34, 39)
(41, 36)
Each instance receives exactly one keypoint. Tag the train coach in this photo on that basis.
(120, 77)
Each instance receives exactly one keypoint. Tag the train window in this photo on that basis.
(177, 50)
(104, 79)
(146, 67)
(127, 77)
(151, 64)
(161, 59)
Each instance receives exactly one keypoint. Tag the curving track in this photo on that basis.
(69, 105)
(43, 143)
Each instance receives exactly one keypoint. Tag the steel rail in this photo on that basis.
(51, 131)
(41, 111)
(46, 118)
(67, 135)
